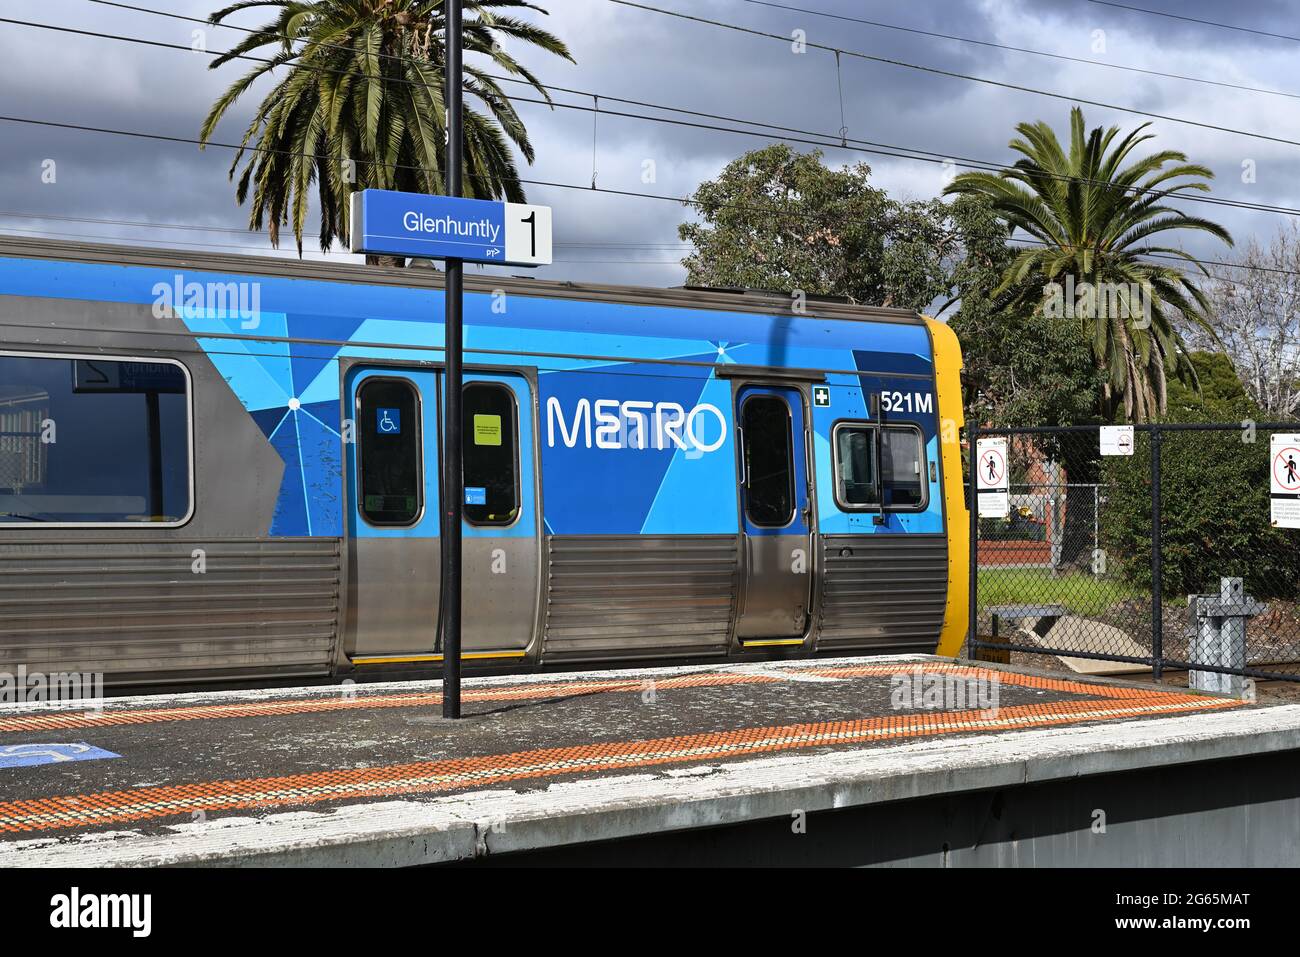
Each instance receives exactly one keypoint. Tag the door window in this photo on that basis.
(491, 462)
(769, 461)
(389, 452)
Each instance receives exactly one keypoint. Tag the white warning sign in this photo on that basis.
(992, 478)
(1284, 484)
(1116, 440)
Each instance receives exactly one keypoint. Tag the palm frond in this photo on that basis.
(363, 93)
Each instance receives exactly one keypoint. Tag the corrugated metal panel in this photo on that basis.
(639, 596)
(883, 591)
(120, 607)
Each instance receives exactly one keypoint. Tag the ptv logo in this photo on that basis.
(636, 424)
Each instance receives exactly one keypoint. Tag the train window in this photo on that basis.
(903, 458)
(902, 462)
(769, 461)
(93, 441)
(389, 452)
(855, 466)
(491, 463)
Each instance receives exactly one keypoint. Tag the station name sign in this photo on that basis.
(389, 223)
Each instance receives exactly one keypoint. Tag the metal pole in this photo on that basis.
(1157, 574)
(1096, 526)
(453, 477)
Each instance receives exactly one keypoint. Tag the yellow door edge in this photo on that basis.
(405, 659)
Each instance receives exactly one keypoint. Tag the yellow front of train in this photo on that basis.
(947, 372)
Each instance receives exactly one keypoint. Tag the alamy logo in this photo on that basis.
(1101, 300)
(75, 909)
(233, 300)
(919, 690)
(23, 685)
(636, 424)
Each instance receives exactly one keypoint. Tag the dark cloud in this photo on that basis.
(1266, 16)
(624, 52)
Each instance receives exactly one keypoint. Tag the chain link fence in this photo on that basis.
(1065, 566)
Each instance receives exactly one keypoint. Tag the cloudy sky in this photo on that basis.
(641, 55)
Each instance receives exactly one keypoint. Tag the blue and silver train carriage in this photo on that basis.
(217, 467)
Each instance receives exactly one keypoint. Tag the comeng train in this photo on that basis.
(221, 467)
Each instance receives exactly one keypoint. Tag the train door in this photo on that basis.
(501, 541)
(776, 516)
(393, 514)
(393, 482)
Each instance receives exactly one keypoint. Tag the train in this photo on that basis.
(225, 468)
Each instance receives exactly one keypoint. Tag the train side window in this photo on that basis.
(769, 461)
(94, 441)
(902, 462)
(491, 463)
(389, 452)
(904, 466)
(855, 467)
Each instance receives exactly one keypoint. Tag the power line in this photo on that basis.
(1003, 46)
(1208, 23)
(791, 135)
(884, 149)
(839, 142)
(660, 246)
(256, 250)
(1249, 267)
(959, 76)
(187, 245)
(160, 137)
(681, 200)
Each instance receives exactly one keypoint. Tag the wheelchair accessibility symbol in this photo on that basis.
(388, 421)
(27, 755)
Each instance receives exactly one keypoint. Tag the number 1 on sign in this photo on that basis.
(531, 220)
(528, 234)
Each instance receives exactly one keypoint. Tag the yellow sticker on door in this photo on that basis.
(487, 429)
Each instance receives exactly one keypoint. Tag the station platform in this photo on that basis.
(907, 759)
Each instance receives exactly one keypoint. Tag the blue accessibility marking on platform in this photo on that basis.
(27, 755)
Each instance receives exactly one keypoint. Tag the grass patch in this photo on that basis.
(1082, 593)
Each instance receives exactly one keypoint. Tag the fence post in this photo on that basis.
(973, 437)
(1157, 577)
(1096, 525)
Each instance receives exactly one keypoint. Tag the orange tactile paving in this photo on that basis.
(1041, 682)
(57, 720)
(434, 777)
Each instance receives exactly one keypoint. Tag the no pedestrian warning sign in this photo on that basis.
(1284, 484)
(992, 481)
(1116, 440)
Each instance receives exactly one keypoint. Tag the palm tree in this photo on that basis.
(360, 106)
(1094, 220)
